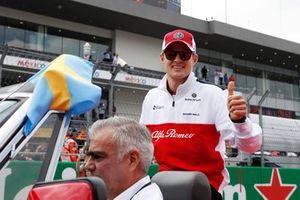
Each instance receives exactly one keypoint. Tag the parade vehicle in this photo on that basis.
(34, 119)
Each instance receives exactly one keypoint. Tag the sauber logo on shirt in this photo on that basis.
(194, 95)
(171, 133)
(193, 114)
(157, 107)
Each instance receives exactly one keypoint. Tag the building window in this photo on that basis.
(71, 46)
(14, 37)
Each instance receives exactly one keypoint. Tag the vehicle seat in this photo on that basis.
(179, 185)
(87, 188)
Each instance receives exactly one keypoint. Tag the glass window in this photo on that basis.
(34, 37)
(251, 82)
(7, 108)
(96, 51)
(240, 81)
(53, 44)
(259, 86)
(34, 40)
(288, 90)
(71, 46)
(53, 40)
(14, 36)
(1, 34)
(296, 92)
(25, 167)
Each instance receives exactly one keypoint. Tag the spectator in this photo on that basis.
(221, 76)
(225, 79)
(216, 77)
(231, 78)
(107, 56)
(120, 152)
(115, 58)
(189, 120)
(70, 146)
(81, 161)
(102, 111)
(204, 73)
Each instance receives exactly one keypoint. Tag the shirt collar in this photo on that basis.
(129, 192)
(181, 88)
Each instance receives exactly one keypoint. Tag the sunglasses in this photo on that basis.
(184, 55)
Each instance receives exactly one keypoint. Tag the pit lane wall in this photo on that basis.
(246, 182)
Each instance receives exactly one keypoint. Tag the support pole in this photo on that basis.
(115, 70)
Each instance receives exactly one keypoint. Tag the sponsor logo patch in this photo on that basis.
(155, 107)
(171, 133)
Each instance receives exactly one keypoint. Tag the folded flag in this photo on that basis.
(64, 85)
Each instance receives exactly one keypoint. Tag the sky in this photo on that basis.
(279, 18)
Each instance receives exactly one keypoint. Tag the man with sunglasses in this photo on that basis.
(189, 120)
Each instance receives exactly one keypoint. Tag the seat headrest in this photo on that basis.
(87, 188)
(183, 185)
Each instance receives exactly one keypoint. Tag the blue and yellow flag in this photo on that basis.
(64, 85)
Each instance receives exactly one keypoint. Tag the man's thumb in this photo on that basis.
(230, 88)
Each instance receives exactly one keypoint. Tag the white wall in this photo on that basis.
(138, 50)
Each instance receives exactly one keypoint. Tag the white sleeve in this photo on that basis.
(248, 136)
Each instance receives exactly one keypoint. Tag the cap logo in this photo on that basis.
(178, 35)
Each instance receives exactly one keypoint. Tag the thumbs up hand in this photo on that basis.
(236, 104)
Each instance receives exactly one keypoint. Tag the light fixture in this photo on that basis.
(296, 66)
(271, 60)
(283, 63)
(275, 53)
(256, 57)
(289, 57)
(243, 55)
(261, 50)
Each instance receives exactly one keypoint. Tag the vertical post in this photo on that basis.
(86, 56)
(262, 149)
(5, 49)
(114, 72)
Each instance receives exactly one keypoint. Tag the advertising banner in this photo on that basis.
(252, 183)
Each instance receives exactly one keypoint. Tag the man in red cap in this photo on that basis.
(189, 120)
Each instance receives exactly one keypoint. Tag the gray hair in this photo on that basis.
(128, 135)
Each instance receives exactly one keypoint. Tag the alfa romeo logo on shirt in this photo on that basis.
(178, 35)
(194, 95)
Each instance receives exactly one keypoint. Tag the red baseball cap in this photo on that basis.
(179, 36)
